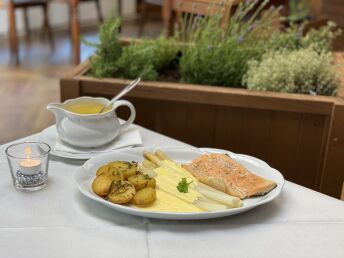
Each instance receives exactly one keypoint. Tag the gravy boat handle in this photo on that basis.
(131, 119)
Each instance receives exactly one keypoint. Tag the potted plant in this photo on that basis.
(247, 88)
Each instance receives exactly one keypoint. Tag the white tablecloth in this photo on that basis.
(58, 221)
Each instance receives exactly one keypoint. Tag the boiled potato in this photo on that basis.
(126, 168)
(121, 192)
(139, 181)
(145, 196)
(151, 182)
(102, 184)
(103, 170)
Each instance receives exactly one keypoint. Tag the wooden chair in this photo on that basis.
(75, 23)
(11, 6)
(173, 10)
(99, 11)
(144, 10)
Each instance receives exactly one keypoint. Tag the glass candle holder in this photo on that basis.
(28, 163)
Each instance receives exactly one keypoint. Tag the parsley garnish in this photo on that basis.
(183, 185)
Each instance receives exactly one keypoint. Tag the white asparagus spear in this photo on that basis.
(149, 164)
(161, 155)
(152, 157)
(209, 206)
(201, 203)
(218, 196)
(147, 170)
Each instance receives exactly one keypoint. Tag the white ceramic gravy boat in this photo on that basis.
(90, 130)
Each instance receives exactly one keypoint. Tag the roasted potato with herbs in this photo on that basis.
(103, 170)
(139, 181)
(121, 192)
(145, 196)
(111, 183)
(151, 182)
(127, 169)
(110, 171)
(102, 184)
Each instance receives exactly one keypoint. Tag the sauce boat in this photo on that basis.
(89, 130)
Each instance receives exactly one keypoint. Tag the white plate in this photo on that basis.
(86, 173)
(49, 136)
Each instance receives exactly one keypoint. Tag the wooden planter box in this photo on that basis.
(300, 135)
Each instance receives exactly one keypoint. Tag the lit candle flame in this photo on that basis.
(28, 152)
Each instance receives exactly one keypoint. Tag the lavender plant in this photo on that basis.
(218, 55)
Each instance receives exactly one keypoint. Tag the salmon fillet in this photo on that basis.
(223, 173)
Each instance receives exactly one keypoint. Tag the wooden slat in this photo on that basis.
(212, 95)
(310, 150)
(283, 141)
(147, 112)
(334, 9)
(243, 130)
(191, 123)
(333, 173)
(229, 127)
(256, 133)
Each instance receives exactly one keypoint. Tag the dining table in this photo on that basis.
(58, 221)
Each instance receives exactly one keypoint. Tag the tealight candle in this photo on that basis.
(28, 163)
(30, 166)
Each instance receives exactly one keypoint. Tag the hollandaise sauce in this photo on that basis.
(168, 198)
(167, 202)
(86, 108)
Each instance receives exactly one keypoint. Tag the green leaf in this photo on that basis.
(183, 185)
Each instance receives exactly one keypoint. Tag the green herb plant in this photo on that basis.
(247, 52)
(145, 58)
(299, 10)
(293, 39)
(103, 64)
(183, 185)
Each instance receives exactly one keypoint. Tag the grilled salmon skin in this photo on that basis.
(223, 173)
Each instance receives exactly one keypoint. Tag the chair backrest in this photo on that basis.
(154, 2)
(173, 9)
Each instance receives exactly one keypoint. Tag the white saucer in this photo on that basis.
(50, 136)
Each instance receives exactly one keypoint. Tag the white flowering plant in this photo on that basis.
(298, 71)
